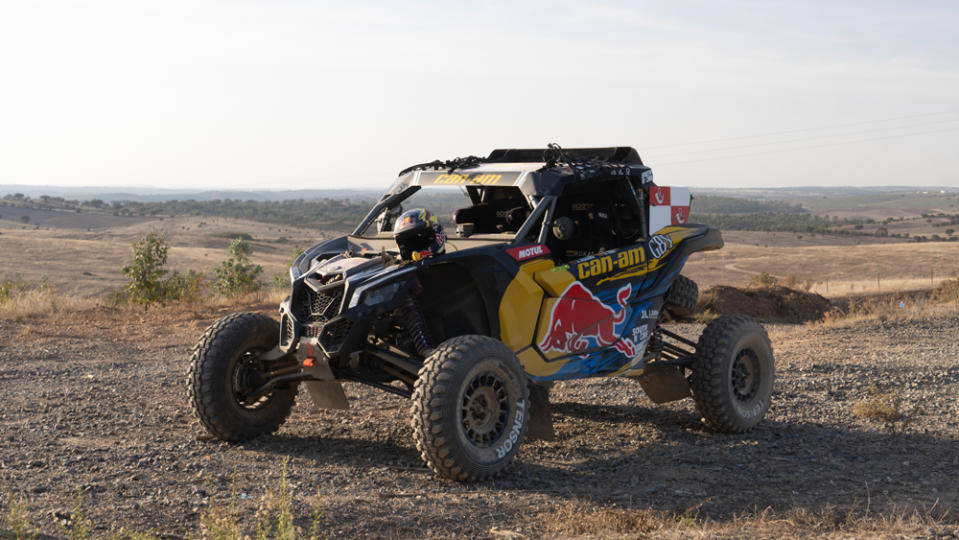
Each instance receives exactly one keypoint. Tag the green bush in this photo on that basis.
(148, 281)
(185, 287)
(12, 287)
(146, 274)
(238, 275)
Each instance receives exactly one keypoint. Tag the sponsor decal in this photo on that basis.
(658, 245)
(471, 178)
(603, 264)
(640, 333)
(660, 195)
(668, 206)
(580, 320)
(523, 253)
(515, 431)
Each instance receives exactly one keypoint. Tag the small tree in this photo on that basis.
(238, 275)
(146, 274)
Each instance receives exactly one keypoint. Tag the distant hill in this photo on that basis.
(110, 194)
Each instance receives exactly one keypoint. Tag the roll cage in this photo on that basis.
(551, 180)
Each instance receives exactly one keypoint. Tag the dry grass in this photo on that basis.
(832, 266)
(947, 292)
(50, 303)
(888, 408)
(41, 302)
(89, 263)
(887, 309)
(581, 521)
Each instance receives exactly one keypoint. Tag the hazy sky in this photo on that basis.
(304, 94)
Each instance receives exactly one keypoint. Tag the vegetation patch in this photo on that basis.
(149, 281)
(238, 275)
(887, 408)
(947, 291)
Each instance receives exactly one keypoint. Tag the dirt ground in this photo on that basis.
(96, 401)
(88, 263)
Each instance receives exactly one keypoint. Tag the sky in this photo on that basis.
(295, 94)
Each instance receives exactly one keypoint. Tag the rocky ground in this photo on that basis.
(96, 402)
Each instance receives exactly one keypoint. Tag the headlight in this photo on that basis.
(381, 294)
(646, 177)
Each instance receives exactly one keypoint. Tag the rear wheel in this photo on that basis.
(681, 298)
(470, 408)
(733, 373)
(226, 371)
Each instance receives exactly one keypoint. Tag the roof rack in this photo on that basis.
(613, 154)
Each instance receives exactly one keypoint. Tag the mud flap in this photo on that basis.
(325, 390)
(540, 426)
(664, 383)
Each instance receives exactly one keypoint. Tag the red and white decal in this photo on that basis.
(523, 253)
(667, 206)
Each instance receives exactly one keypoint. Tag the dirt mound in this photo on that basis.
(765, 303)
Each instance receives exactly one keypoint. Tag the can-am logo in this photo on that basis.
(527, 252)
(658, 245)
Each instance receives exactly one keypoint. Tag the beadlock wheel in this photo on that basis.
(470, 408)
(733, 373)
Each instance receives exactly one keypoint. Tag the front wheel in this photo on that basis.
(470, 408)
(225, 373)
(733, 373)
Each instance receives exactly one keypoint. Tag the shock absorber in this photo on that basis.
(416, 326)
(655, 342)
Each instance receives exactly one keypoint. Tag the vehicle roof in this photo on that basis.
(536, 171)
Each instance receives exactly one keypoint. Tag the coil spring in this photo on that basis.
(655, 342)
(416, 326)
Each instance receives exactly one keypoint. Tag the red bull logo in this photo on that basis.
(579, 316)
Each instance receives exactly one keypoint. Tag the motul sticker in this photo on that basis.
(523, 253)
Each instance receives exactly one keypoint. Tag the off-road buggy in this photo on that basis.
(560, 264)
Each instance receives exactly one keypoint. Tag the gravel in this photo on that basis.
(95, 402)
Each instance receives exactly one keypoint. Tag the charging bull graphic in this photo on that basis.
(579, 315)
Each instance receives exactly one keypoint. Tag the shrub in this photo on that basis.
(762, 279)
(238, 275)
(886, 408)
(184, 287)
(146, 274)
(149, 282)
(16, 522)
(947, 291)
(11, 288)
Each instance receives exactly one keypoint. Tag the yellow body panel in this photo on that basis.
(520, 306)
(555, 280)
(535, 365)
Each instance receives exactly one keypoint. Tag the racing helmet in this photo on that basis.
(419, 234)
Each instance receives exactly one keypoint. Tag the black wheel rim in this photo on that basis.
(745, 375)
(485, 409)
(246, 379)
